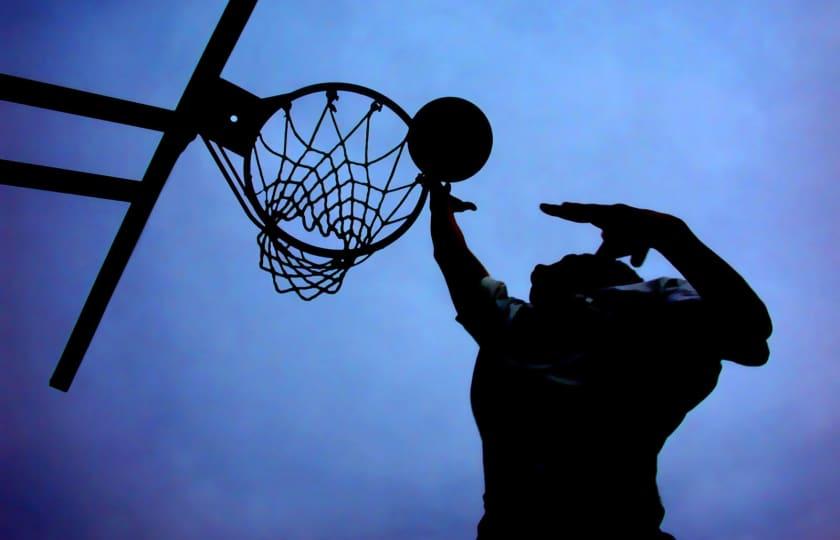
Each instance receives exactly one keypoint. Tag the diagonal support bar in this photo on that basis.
(60, 98)
(15, 173)
(173, 142)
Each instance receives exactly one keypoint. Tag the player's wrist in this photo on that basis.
(671, 234)
(439, 205)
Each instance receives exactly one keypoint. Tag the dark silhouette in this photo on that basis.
(575, 392)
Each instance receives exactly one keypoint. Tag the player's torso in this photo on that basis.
(588, 448)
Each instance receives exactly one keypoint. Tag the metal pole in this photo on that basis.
(15, 173)
(173, 142)
(60, 98)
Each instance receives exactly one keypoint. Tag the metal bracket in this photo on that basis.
(229, 116)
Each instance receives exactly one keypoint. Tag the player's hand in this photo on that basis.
(457, 205)
(625, 230)
(441, 200)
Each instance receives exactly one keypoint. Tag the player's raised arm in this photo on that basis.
(461, 269)
(736, 316)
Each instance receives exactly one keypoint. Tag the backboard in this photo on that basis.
(178, 128)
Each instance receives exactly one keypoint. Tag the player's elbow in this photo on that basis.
(746, 315)
(748, 337)
(753, 353)
(760, 355)
(763, 324)
(768, 329)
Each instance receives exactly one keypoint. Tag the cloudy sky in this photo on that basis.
(210, 407)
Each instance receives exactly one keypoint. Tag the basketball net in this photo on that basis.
(314, 185)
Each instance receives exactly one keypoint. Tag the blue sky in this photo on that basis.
(210, 407)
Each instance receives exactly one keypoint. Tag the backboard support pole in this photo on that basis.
(69, 100)
(28, 175)
(176, 138)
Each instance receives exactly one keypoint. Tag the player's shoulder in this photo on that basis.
(497, 291)
(490, 310)
(494, 288)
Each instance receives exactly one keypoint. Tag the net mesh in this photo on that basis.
(325, 200)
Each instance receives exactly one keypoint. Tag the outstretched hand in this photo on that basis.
(625, 230)
(440, 198)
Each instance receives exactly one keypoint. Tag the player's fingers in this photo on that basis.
(639, 256)
(457, 205)
(604, 249)
(615, 245)
(577, 212)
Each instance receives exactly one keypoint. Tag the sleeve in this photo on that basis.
(664, 314)
(674, 290)
(689, 321)
(488, 315)
(683, 321)
(679, 303)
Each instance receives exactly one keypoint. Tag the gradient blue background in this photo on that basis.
(210, 407)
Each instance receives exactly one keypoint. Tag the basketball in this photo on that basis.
(449, 139)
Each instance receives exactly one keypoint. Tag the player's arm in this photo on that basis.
(461, 269)
(734, 311)
(734, 317)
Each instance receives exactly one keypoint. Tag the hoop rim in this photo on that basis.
(270, 106)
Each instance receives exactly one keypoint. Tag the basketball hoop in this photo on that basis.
(323, 172)
(305, 169)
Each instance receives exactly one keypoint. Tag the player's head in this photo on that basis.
(577, 274)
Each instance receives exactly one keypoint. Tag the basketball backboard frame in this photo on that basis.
(179, 127)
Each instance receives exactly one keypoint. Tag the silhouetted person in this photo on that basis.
(575, 392)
